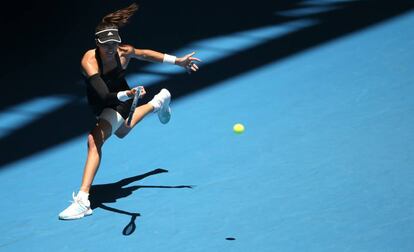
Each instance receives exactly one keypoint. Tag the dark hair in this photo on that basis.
(118, 18)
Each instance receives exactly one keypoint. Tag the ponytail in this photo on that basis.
(118, 18)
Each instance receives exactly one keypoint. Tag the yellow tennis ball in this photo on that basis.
(238, 128)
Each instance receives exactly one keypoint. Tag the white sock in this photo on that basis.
(84, 196)
(155, 103)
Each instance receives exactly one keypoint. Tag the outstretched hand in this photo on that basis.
(188, 62)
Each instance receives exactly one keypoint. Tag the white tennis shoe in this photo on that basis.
(78, 209)
(161, 104)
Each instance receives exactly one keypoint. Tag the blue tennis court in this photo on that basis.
(325, 162)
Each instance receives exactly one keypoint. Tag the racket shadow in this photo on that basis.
(110, 193)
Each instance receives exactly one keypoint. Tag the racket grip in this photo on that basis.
(133, 105)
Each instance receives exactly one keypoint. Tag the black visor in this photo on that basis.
(108, 35)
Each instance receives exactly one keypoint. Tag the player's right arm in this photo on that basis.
(91, 71)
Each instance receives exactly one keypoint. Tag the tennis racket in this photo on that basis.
(134, 105)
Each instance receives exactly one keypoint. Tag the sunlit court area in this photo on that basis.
(296, 133)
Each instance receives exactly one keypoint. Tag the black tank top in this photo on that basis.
(115, 81)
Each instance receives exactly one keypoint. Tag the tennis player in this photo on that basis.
(109, 96)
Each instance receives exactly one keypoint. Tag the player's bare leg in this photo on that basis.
(96, 139)
(160, 103)
(139, 113)
(80, 206)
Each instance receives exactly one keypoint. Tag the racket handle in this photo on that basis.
(133, 105)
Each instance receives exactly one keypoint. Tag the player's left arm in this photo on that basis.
(187, 61)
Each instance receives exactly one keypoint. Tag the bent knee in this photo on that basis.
(94, 144)
(122, 132)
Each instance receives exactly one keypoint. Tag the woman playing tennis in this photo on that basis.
(109, 96)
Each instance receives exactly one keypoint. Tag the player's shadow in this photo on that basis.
(110, 193)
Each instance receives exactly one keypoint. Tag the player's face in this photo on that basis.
(109, 48)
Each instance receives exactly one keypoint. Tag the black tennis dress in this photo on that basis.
(115, 81)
